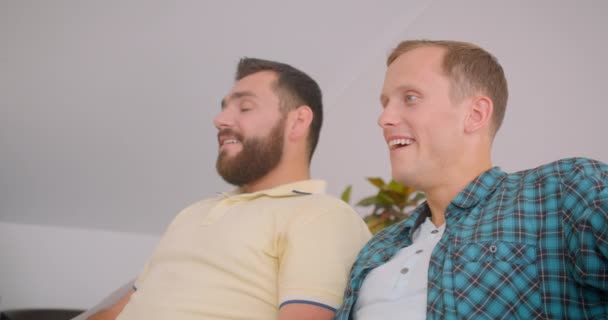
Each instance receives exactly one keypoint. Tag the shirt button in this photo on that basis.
(405, 270)
(434, 231)
(418, 251)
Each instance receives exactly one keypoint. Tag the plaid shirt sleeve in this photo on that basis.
(585, 202)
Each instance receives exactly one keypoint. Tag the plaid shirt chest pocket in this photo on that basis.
(494, 279)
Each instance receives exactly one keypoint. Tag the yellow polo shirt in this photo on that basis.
(242, 256)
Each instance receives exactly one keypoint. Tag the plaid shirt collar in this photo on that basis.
(478, 189)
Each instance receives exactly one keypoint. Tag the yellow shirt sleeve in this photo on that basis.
(319, 250)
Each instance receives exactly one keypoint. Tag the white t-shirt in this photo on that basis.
(398, 288)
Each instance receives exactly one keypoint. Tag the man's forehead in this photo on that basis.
(418, 59)
(420, 63)
(237, 95)
(258, 79)
(256, 82)
(254, 85)
(414, 70)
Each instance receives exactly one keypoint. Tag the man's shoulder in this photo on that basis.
(208, 200)
(322, 206)
(324, 199)
(202, 204)
(322, 216)
(562, 170)
(304, 201)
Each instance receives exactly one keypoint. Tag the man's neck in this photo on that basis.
(439, 197)
(278, 176)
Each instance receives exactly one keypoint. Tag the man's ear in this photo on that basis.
(299, 122)
(480, 114)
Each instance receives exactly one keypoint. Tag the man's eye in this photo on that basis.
(245, 107)
(411, 98)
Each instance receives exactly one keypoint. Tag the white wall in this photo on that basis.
(55, 267)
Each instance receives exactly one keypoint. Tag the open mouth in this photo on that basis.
(399, 143)
(228, 141)
(228, 137)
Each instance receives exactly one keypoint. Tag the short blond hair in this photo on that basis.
(470, 69)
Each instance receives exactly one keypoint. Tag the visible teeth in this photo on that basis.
(401, 142)
(229, 141)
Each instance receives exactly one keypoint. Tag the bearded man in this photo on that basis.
(277, 247)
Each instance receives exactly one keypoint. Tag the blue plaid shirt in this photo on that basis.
(528, 245)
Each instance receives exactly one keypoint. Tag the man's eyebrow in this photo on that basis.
(236, 95)
(382, 98)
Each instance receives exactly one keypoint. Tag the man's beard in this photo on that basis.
(256, 159)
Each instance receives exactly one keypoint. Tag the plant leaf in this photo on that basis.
(395, 186)
(346, 194)
(377, 181)
(375, 223)
(385, 199)
(366, 202)
(419, 196)
(392, 203)
(398, 198)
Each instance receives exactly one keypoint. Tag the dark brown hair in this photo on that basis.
(294, 88)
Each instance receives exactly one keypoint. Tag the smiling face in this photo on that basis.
(422, 124)
(250, 130)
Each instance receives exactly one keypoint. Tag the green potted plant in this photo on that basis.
(392, 203)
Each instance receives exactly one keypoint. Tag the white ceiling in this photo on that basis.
(106, 107)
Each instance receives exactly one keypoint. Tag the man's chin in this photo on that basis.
(403, 177)
(231, 149)
(228, 155)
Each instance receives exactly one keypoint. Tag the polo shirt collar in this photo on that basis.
(479, 188)
(304, 187)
